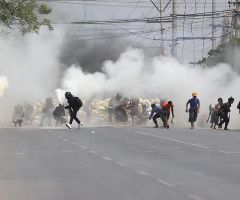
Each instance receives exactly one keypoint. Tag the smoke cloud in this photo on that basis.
(134, 75)
(3, 85)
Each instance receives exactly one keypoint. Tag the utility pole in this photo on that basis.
(213, 24)
(161, 28)
(174, 25)
(237, 19)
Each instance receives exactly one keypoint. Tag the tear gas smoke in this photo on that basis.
(3, 84)
(134, 75)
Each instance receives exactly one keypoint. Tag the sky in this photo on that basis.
(143, 35)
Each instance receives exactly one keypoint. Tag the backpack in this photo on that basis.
(78, 101)
(238, 106)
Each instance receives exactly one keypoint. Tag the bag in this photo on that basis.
(238, 106)
(78, 101)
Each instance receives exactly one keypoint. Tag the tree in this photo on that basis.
(26, 15)
(224, 53)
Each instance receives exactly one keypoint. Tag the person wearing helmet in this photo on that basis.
(157, 112)
(194, 109)
(167, 107)
(74, 104)
(224, 110)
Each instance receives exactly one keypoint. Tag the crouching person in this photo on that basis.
(18, 115)
(156, 112)
(58, 115)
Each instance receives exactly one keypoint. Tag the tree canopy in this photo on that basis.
(25, 15)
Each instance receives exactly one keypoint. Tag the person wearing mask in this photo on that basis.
(74, 104)
(224, 111)
(157, 112)
(194, 109)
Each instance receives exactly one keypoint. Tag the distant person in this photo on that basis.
(167, 107)
(194, 109)
(87, 109)
(74, 104)
(214, 113)
(134, 110)
(224, 111)
(156, 112)
(47, 112)
(58, 115)
(111, 107)
(28, 111)
(143, 116)
(18, 115)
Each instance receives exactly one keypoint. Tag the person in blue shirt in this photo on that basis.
(157, 112)
(194, 109)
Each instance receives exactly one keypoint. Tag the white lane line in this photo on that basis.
(93, 132)
(93, 152)
(227, 152)
(173, 140)
(195, 197)
(67, 151)
(19, 153)
(143, 173)
(122, 164)
(147, 151)
(66, 140)
(74, 143)
(165, 183)
(83, 147)
(106, 158)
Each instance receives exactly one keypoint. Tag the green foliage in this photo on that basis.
(26, 15)
(224, 53)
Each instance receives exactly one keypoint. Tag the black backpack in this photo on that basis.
(78, 101)
(238, 106)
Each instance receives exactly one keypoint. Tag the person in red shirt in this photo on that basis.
(167, 107)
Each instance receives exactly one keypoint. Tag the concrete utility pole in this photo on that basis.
(174, 25)
(213, 24)
(161, 27)
(237, 19)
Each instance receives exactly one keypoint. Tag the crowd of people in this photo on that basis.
(120, 108)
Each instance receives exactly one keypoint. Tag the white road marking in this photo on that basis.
(173, 140)
(19, 153)
(83, 147)
(195, 197)
(143, 173)
(122, 164)
(74, 143)
(106, 158)
(67, 151)
(147, 151)
(92, 132)
(227, 152)
(66, 140)
(92, 152)
(165, 183)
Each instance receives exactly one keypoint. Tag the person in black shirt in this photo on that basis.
(223, 112)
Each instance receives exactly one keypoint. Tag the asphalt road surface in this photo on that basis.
(119, 163)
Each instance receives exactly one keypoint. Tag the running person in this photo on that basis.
(194, 109)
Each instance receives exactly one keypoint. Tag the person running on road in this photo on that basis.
(214, 113)
(224, 110)
(157, 112)
(167, 107)
(74, 105)
(194, 109)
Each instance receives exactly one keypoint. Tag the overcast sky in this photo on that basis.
(142, 34)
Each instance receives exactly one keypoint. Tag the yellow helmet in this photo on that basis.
(194, 94)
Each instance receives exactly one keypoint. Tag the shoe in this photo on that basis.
(68, 125)
(80, 125)
(219, 126)
(167, 126)
(226, 129)
(155, 126)
(211, 126)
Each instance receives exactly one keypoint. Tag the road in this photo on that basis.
(119, 163)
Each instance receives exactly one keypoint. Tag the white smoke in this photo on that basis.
(3, 85)
(134, 75)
